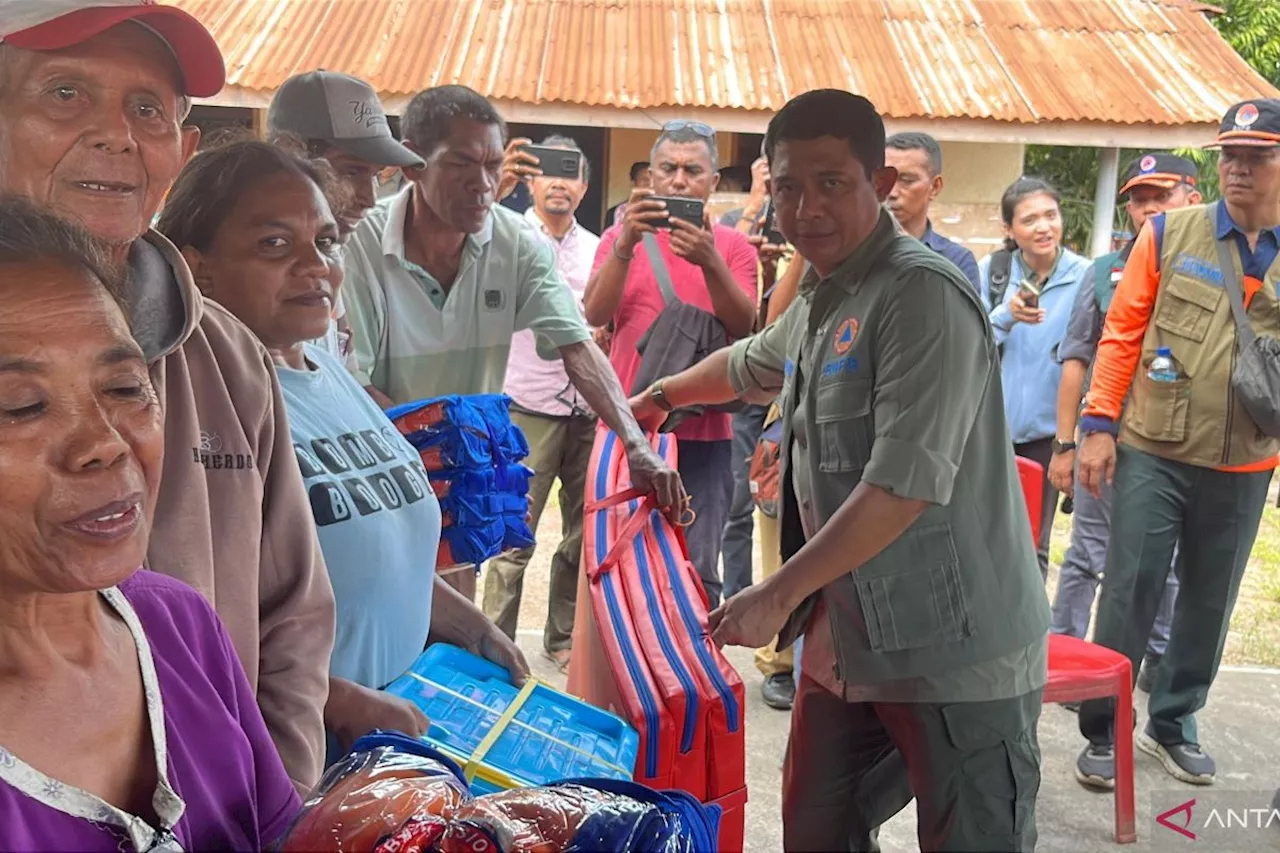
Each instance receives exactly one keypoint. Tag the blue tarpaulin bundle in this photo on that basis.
(472, 455)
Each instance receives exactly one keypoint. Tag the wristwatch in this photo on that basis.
(1062, 446)
(659, 396)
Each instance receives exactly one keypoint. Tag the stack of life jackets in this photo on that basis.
(472, 455)
(641, 645)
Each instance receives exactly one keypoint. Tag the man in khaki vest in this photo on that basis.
(1191, 461)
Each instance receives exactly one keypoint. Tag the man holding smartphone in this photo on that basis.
(558, 422)
(756, 218)
(708, 266)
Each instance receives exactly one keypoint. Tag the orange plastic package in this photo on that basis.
(423, 418)
(390, 794)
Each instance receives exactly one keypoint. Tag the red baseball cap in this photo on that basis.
(58, 24)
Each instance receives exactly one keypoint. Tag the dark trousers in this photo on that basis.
(1082, 568)
(747, 426)
(973, 768)
(705, 468)
(1041, 451)
(1216, 515)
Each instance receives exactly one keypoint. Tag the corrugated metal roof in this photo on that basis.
(1118, 61)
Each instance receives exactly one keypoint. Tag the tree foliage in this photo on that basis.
(1074, 171)
(1252, 28)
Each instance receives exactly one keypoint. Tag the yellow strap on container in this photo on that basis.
(505, 721)
(473, 763)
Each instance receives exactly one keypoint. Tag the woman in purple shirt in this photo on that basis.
(126, 722)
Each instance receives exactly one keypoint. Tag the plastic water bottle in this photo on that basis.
(1164, 367)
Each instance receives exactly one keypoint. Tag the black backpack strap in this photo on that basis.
(998, 273)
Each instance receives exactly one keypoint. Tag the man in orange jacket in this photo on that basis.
(1191, 461)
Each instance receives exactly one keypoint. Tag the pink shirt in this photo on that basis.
(542, 386)
(642, 303)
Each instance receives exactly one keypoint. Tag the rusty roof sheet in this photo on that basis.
(1118, 61)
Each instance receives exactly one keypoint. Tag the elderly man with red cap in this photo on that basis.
(93, 96)
(1187, 383)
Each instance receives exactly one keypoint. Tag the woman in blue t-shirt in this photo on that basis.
(254, 223)
(1029, 323)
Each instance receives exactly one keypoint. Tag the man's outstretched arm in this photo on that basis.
(593, 376)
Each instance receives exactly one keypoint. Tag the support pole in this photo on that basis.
(1104, 201)
(259, 124)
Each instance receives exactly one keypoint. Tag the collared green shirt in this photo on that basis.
(887, 373)
(413, 339)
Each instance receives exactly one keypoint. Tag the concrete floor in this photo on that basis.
(1240, 728)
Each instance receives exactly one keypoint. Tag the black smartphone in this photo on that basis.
(691, 210)
(770, 230)
(556, 162)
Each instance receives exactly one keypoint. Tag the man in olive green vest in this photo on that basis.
(1191, 461)
(908, 560)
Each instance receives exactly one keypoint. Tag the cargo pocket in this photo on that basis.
(999, 761)
(918, 601)
(845, 425)
(1187, 307)
(1160, 411)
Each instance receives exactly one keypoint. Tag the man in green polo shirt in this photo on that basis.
(440, 277)
(909, 564)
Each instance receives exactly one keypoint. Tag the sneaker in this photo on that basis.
(1186, 762)
(1147, 672)
(1096, 767)
(779, 691)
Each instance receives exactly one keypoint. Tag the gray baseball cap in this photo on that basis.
(341, 110)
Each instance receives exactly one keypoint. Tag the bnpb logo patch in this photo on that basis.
(845, 335)
(1148, 163)
(1246, 116)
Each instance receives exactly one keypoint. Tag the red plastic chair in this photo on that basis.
(1031, 476)
(1080, 670)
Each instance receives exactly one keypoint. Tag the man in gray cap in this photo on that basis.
(341, 120)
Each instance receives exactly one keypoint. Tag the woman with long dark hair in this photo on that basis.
(1030, 322)
(256, 226)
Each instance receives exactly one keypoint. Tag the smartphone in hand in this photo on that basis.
(556, 162)
(691, 210)
(1029, 290)
(770, 230)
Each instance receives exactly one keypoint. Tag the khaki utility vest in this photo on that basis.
(1197, 419)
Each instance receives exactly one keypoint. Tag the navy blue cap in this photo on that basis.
(1158, 169)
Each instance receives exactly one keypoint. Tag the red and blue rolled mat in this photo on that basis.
(641, 646)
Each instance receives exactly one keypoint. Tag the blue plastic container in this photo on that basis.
(551, 736)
